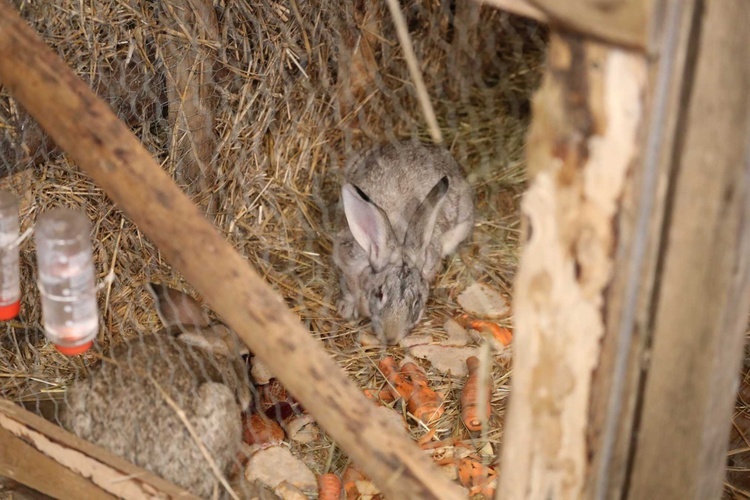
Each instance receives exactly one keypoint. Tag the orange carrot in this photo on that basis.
(384, 396)
(351, 476)
(501, 334)
(476, 476)
(329, 487)
(400, 385)
(410, 384)
(259, 429)
(470, 398)
(424, 403)
(425, 440)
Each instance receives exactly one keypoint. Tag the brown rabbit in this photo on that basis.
(122, 406)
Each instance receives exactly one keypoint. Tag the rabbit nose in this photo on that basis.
(393, 331)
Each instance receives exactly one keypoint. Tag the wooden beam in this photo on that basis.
(656, 349)
(583, 142)
(701, 307)
(620, 22)
(518, 7)
(616, 389)
(84, 127)
(45, 457)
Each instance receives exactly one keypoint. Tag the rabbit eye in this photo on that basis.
(379, 295)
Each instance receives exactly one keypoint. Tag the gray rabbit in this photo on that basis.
(122, 408)
(407, 206)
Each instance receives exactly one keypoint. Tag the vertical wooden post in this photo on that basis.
(634, 284)
(700, 310)
(584, 140)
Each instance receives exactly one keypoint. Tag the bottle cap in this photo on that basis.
(10, 311)
(74, 350)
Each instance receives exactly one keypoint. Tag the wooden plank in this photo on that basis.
(702, 304)
(45, 457)
(20, 461)
(616, 389)
(518, 7)
(584, 139)
(84, 126)
(621, 22)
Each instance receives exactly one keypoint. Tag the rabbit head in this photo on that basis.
(398, 286)
(184, 318)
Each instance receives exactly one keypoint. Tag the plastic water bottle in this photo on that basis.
(66, 280)
(10, 288)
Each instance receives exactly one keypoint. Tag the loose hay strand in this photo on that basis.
(411, 60)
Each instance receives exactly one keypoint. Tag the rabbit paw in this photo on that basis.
(347, 308)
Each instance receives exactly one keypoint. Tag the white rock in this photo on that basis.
(457, 334)
(445, 359)
(302, 429)
(480, 337)
(367, 339)
(276, 464)
(483, 301)
(288, 492)
(412, 340)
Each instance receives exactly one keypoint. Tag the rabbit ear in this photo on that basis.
(369, 225)
(422, 223)
(177, 308)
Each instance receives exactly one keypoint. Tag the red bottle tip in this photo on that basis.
(10, 311)
(74, 350)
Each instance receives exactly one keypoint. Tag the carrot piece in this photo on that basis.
(357, 485)
(329, 487)
(400, 385)
(384, 396)
(423, 403)
(501, 334)
(470, 398)
(475, 476)
(410, 384)
(425, 440)
(259, 429)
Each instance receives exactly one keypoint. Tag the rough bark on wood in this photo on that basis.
(42, 455)
(83, 126)
(701, 308)
(582, 144)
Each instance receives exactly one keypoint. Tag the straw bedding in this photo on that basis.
(287, 92)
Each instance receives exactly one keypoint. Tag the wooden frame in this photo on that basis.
(41, 454)
(634, 285)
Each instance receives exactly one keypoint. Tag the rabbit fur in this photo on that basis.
(198, 365)
(406, 206)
